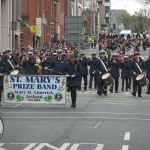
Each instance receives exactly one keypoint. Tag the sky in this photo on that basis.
(129, 5)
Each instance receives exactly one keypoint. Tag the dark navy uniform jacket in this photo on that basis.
(9, 66)
(57, 65)
(126, 69)
(84, 66)
(46, 63)
(29, 66)
(3, 70)
(115, 68)
(134, 67)
(72, 69)
(92, 64)
(100, 67)
(147, 68)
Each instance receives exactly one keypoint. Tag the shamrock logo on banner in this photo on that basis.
(48, 98)
(19, 98)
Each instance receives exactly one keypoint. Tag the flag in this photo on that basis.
(23, 24)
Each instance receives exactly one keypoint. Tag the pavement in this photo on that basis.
(117, 121)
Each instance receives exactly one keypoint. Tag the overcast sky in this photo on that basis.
(129, 5)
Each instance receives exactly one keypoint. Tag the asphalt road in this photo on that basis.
(118, 121)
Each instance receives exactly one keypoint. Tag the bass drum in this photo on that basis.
(14, 72)
(141, 80)
(108, 79)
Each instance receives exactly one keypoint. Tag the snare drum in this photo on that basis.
(14, 72)
(108, 79)
(141, 80)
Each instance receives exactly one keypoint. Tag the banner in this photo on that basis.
(35, 89)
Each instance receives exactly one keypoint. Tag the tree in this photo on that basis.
(140, 18)
(126, 19)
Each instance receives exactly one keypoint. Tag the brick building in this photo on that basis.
(40, 13)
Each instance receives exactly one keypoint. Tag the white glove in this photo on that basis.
(67, 75)
(45, 68)
(73, 76)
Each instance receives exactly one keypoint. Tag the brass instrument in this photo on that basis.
(38, 66)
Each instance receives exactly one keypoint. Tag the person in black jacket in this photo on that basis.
(125, 72)
(57, 64)
(3, 70)
(83, 61)
(72, 70)
(101, 70)
(10, 61)
(92, 70)
(29, 64)
(115, 71)
(46, 62)
(138, 67)
(148, 73)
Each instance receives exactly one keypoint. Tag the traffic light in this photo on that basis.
(55, 37)
(21, 37)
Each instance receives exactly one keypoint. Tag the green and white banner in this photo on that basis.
(35, 89)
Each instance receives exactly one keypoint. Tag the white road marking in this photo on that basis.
(127, 136)
(109, 118)
(88, 124)
(16, 105)
(97, 125)
(125, 147)
(30, 146)
(64, 146)
(113, 113)
(1, 144)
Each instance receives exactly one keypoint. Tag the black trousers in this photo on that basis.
(127, 85)
(73, 94)
(130, 79)
(1, 89)
(144, 46)
(94, 45)
(148, 88)
(102, 88)
(136, 86)
(116, 84)
(85, 80)
(91, 80)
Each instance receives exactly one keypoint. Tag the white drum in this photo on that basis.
(108, 79)
(14, 72)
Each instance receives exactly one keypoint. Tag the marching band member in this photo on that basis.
(3, 70)
(102, 66)
(72, 70)
(148, 73)
(10, 61)
(138, 67)
(29, 64)
(57, 64)
(46, 62)
(92, 70)
(115, 71)
(125, 72)
(83, 61)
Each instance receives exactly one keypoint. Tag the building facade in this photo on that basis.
(10, 17)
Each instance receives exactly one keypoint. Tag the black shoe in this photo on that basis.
(147, 92)
(122, 89)
(139, 95)
(90, 87)
(79, 89)
(99, 93)
(133, 94)
(73, 106)
(68, 90)
(116, 91)
(111, 91)
(85, 88)
(129, 87)
(105, 93)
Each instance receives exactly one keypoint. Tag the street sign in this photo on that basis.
(34, 29)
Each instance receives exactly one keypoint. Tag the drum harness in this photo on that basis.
(106, 71)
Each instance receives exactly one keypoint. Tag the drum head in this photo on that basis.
(105, 76)
(15, 72)
(139, 77)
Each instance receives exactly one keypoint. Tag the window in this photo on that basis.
(107, 9)
(107, 20)
(107, 1)
(19, 9)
